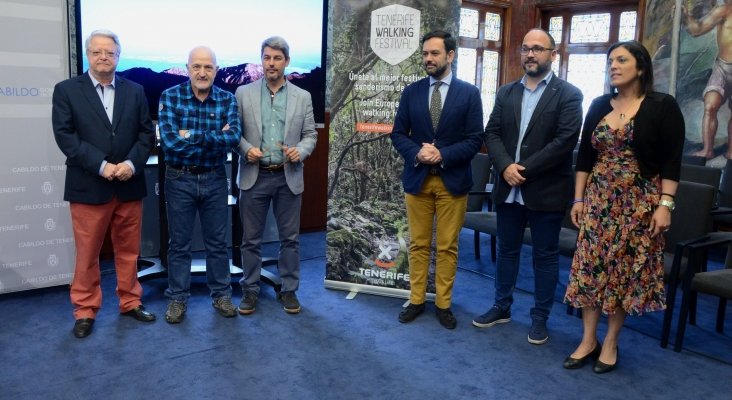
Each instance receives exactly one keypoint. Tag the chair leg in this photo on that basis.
(476, 244)
(671, 299)
(721, 310)
(686, 293)
(692, 307)
(493, 248)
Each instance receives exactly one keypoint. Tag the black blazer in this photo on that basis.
(546, 149)
(658, 135)
(85, 135)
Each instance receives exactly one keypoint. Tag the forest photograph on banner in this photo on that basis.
(374, 53)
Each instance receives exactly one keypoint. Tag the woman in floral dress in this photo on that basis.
(627, 172)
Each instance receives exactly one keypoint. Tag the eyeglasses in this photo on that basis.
(108, 54)
(537, 50)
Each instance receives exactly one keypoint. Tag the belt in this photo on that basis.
(192, 169)
(272, 167)
(434, 171)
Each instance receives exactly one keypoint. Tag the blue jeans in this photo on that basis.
(271, 186)
(511, 219)
(206, 194)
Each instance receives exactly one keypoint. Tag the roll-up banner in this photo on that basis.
(374, 52)
(36, 238)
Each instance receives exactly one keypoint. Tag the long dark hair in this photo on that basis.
(642, 61)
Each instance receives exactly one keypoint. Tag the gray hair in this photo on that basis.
(276, 43)
(103, 33)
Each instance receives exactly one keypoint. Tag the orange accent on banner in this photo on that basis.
(368, 127)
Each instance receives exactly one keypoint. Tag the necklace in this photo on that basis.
(630, 106)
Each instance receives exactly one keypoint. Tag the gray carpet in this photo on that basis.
(341, 349)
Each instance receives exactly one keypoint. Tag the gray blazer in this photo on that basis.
(299, 132)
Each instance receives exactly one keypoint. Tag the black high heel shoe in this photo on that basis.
(601, 368)
(576, 363)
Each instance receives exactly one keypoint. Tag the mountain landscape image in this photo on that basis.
(227, 78)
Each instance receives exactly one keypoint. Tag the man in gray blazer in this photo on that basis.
(278, 134)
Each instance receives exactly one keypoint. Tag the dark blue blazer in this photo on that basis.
(86, 137)
(546, 149)
(458, 136)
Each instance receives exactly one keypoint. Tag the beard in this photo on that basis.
(541, 69)
(437, 73)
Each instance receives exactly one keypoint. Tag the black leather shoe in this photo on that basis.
(139, 313)
(446, 318)
(602, 368)
(410, 312)
(576, 363)
(83, 327)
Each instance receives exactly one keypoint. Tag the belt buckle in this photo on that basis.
(271, 167)
(434, 171)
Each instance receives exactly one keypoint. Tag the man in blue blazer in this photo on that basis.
(530, 135)
(438, 130)
(102, 124)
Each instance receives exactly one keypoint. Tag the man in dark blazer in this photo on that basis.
(530, 136)
(102, 124)
(438, 130)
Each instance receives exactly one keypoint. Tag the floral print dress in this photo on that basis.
(617, 263)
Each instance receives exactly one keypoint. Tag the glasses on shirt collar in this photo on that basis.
(537, 50)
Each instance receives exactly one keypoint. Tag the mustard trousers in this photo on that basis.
(434, 204)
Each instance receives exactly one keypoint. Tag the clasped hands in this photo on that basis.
(512, 174)
(429, 154)
(291, 154)
(120, 171)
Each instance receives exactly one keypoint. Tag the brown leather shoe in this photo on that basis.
(83, 327)
(139, 313)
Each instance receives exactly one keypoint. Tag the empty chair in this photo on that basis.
(690, 223)
(716, 283)
(693, 160)
(479, 216)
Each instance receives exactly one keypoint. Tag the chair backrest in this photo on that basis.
(693, 160)
(692, 216)
(700, 174)
(481, 169)
(724, 198)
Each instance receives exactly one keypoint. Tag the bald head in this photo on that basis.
(202, 52)
(202, 70)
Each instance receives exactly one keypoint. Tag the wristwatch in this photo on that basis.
(668, 203)
(187, 135)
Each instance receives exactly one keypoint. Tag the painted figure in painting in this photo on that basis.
(719, 86)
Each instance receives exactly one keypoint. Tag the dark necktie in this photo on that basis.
(436, 105)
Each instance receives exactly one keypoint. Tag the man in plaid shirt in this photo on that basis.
(198, 127)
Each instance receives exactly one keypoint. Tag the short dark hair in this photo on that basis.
(552, 42)
(450, 41)
(642, 62)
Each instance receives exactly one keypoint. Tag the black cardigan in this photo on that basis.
(658, 135)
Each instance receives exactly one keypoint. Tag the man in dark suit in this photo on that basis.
(437, 129)
(530, 136)
(102, 124)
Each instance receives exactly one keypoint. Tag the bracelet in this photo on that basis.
(669, 195)
(575, 201)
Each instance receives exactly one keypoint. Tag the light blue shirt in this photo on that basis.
(529, 100)
(106, 95)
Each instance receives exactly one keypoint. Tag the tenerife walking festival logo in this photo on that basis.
(395, 32)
